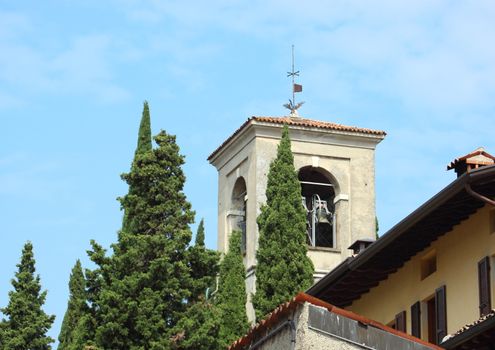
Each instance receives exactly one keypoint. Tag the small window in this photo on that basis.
(428, 264)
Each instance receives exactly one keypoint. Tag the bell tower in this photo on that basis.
(336, 169)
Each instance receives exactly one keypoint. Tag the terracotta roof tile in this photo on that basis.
(467, 327)
(283, 310)
(478, 156)
(302, 122)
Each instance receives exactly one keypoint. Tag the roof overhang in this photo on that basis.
(480, 335)
(357, 275)
(340, 133)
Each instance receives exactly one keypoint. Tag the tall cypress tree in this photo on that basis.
(99, 278)
(27, 323)
(144, 145)
(199, 328)
(96, 280)
(147, 280)
(231, 296)
(203, 263)
(71, 336)
(283, 268)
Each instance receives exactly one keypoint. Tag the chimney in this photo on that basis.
(361, 244)
(473, 160)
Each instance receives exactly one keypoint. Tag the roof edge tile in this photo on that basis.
(301, 122)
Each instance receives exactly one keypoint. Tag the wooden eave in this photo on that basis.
(357, 275)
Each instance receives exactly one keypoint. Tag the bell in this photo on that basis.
(322, 216)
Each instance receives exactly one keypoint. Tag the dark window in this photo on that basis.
(441, 312)
(238, 210)
(400, 321)
(416, 319)
(484, 285)
(318, 195)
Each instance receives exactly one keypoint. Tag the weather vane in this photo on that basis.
(292, 105)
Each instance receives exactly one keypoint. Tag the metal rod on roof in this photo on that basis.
(292, 106)
(293, 75)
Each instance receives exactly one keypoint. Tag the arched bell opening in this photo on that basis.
(318, 193)
(237, 214)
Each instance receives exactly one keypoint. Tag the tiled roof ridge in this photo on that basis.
(316, 123)
(302, 297)
(471, 325)
(298, 121)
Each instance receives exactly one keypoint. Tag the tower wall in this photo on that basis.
(346, 158)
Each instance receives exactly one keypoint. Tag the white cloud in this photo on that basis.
(84, 66)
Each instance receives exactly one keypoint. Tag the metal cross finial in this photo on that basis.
(292, 106)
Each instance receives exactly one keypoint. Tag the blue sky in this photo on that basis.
(73, 76)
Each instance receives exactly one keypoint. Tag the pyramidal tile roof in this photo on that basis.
(478, 156)
(301, 122)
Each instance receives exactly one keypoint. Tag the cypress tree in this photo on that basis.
(71, 335)
(231, 296)
(96, 279)
(144, 145)
(3, 324)
(199, 328)
(203, 264)
(200, 325)
(27, 323)
(200, 234)
(283, 268)
(147, 280)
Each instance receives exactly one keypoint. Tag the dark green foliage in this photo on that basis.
(144, 145)
(200, 234)
(199, 328)
(231, 295)
(141, 290)
(3, 324)
(27, 323)
(203, 263)
(283, 268)
(73, 334)
(96, 279)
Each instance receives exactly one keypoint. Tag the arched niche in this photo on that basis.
(318, 190)
(238, 210)
(238, 195)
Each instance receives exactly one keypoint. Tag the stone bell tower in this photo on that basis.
(336, 168)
